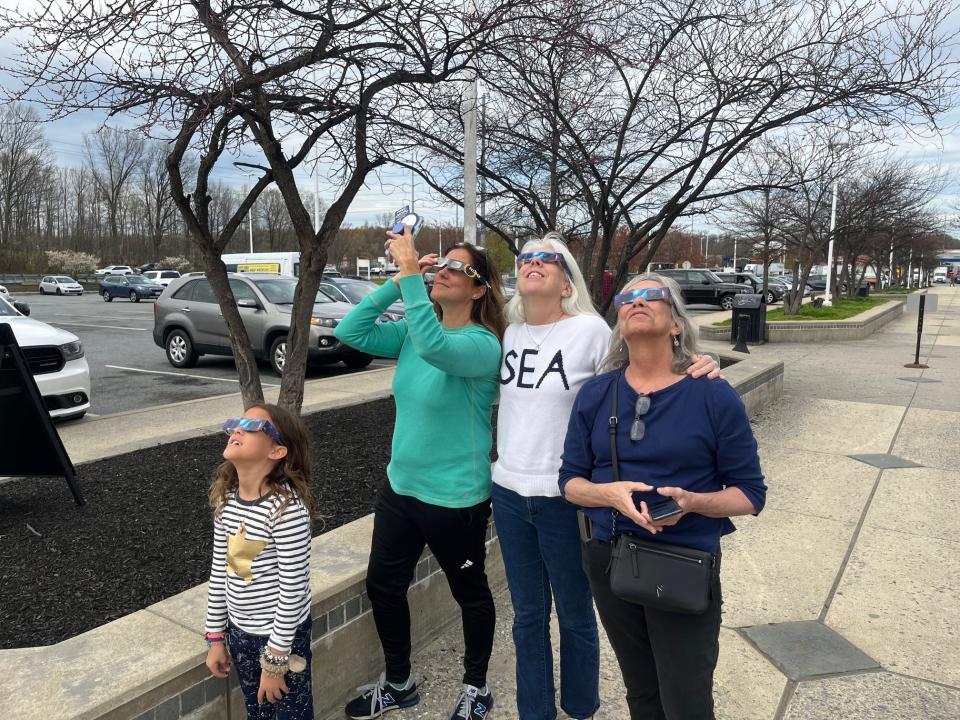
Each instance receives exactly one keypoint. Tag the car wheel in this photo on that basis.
(180, 352)
(106, 296)
(726, 302)
(134, 297)
(42, 291)
(59, 291)
(771, 299)
(356, 362)
(278, 354)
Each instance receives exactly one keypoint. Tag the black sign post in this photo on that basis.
(918, 302)
(31, 444)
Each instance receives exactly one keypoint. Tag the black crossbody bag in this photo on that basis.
(655, 574)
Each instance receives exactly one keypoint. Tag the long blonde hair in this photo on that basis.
(579, 302)
(290, 476)
(618, 355)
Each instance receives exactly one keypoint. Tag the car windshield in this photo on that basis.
(137, 280)
(280, 291)
(6, 309)
(711, 275)
(356, 291)
(64, 279)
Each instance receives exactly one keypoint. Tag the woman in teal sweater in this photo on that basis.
(438, 494)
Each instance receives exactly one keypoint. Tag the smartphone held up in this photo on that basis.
(405, 217)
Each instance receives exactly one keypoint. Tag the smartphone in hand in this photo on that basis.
(405, 218)
(660, 509)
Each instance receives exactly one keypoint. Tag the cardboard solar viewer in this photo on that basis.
(31, 444)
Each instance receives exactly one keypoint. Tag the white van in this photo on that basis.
(277, 263)
(940, 274)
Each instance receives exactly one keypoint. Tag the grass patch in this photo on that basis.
(841, 310)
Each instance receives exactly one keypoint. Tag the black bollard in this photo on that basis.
(743, 329)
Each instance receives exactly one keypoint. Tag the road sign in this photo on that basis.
(686, 265)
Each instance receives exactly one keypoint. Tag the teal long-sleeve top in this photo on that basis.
(444, 388)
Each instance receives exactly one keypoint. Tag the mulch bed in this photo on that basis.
(146, 531)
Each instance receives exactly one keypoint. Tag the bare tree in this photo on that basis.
(113, 157)
(158, 206)
(674, 91)
(23, 156)
(292, 82)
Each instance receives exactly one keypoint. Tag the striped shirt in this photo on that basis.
(260, 576)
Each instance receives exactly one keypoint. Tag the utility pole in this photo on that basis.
(827, 297)
(469, 111)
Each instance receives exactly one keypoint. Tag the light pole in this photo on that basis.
(250, 211)
(827, 297)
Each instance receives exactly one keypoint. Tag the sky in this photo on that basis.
(391, 187)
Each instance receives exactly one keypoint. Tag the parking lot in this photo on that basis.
(129, 372)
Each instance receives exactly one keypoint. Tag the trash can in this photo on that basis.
(749, 319)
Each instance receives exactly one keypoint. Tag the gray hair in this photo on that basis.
(618, 355)
(579, 302)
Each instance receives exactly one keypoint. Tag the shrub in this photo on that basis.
(71, 263)
(176, 262)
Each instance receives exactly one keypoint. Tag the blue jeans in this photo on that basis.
(245, 650)
(540, 542)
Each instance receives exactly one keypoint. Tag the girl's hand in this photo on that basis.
(704, 365)
(218, 661)
(403, 250)
(272, 689)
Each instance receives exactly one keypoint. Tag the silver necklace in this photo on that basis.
(545, 337)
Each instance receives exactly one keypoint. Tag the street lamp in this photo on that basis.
(250, 211)
(827, 297)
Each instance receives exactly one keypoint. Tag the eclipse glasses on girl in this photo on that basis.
(252, 425)
(469, 270)
(544, 256)
(650, 293)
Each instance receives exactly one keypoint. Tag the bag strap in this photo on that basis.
(612, 423)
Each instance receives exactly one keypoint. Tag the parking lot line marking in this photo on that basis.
(106, 327)
(199, 377)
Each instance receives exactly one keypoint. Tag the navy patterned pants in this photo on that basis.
(245, 649)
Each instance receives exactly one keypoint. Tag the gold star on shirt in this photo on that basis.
(241, 553)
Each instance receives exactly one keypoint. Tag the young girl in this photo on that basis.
(258, 603)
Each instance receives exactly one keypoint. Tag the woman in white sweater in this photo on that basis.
(555, 342)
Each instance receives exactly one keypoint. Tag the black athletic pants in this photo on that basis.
(402, 525)
(667, 659)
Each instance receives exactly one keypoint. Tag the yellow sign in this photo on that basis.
(259, 267)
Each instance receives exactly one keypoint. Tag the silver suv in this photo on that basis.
(188, 323)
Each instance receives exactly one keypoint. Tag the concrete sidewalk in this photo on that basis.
(842, 597)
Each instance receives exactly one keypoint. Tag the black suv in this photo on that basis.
(775, 291)
(700, 285)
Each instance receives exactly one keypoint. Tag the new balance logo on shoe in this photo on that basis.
(467, 564)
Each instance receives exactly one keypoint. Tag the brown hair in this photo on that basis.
(290, 476)
(488, 311)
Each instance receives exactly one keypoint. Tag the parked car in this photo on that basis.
(353, 290)
(188, 323)
(700, 285)
(56, 360)
(114, 270)
(775, 291)
(60, 285)
(161, 277)
(135, 287)
(509, 286)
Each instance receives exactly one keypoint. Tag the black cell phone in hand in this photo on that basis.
(661, 509)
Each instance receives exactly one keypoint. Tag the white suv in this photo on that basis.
(115, 270)
(56, 359)
(161, 277)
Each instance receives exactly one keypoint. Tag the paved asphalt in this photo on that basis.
(127, 370)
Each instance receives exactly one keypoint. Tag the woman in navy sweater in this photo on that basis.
(680, 437)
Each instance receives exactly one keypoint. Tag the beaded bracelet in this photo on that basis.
(212, 638)
(272, 669)
(269, 657)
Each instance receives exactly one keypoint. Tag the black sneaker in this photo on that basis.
(380, 698)
(472, 704)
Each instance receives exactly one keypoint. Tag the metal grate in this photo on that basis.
(44, 359)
